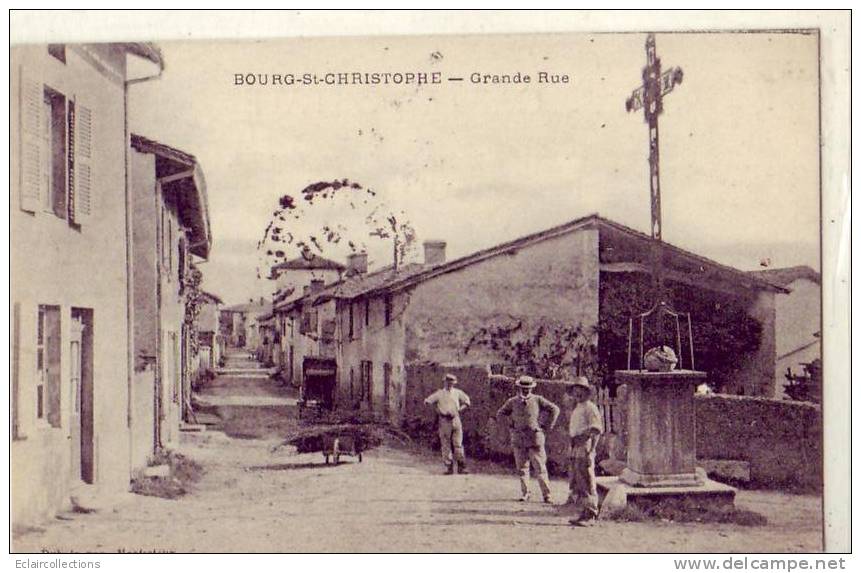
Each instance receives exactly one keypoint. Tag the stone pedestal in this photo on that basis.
(662, 455)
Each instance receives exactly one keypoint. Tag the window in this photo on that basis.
(358, 322)
(48, 365)
(169, 248)
(367, 312)
(367, 380)
(53, 158)
(56, 152)
(352, 380)
(387, 383)
(180, 262)
(388, 302)
(352, 332)
(58, 51)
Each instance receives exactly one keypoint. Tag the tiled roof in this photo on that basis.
(589, 221)
(409, 275)
(315, 262)
(212, 297)
(193, 200)
(788, 275)
(249, 307)
(354, 286)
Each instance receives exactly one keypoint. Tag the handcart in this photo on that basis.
(335, 446)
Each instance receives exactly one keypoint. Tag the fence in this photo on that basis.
(608, 407)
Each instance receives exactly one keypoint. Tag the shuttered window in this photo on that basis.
(56, 152)
(48, 376)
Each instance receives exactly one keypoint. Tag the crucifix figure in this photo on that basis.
(649, 97)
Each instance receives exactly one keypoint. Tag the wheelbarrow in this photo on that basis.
(342, 445)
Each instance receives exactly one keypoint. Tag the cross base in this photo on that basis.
(616, 496)
(637, 479)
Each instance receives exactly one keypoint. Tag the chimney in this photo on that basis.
(316, 285)
(434, 252)
(357, 263)
(305, 290)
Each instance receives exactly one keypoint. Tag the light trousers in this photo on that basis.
(537, 458)
(451, 440)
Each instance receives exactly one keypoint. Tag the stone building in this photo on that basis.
(238, 323)
(210, 342)
(171, 227)
(72, 384)
(797, 321)
(352, 340)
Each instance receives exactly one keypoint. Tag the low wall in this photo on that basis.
(780, 440)
(483, 435)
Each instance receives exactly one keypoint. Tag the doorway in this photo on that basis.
(81, 396)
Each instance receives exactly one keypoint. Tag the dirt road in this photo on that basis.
(254, 499)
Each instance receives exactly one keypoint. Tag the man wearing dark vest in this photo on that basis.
(527, 435)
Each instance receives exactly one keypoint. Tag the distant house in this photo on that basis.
(352, 340)
(209, 340)
(238, 323)
(798, 320)
(71, 379)
(292, 275)
(171, 227)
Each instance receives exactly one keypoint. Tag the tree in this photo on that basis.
(330, 218)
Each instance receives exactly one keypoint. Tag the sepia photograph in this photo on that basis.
(456, 292)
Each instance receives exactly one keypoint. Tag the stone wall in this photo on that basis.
(552, 282)
(780, 440)
(484, 436)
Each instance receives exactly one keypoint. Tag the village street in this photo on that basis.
(256, 499)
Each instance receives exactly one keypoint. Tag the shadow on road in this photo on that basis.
(297, 466)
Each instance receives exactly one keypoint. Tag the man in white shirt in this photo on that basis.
(449, 402)
(584, 427)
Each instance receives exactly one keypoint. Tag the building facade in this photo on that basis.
(72, 384)
(170, 228)
(492, 306)
(797, 321)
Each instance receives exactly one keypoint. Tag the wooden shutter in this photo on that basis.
(82, 177)
(30, 105)
(53, 377)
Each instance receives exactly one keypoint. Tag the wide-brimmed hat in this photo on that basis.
(526, 382)
(580, 382)
(451, 378)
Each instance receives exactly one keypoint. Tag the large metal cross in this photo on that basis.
(649, 97)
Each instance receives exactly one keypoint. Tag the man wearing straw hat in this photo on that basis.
(527, 435)
(449, 402)
(584, 427)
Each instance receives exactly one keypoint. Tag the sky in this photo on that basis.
(476, 164)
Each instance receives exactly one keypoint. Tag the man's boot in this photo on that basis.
(449, 469)
(461, 468)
